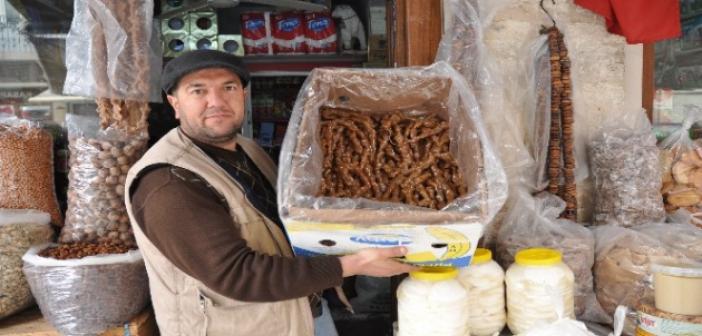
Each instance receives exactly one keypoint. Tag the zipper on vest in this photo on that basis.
(248, 202)
(203, 302)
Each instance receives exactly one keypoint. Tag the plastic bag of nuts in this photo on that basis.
(626, 172)
(27, 168)
(19, 230)
(99, 162)
(86, 296)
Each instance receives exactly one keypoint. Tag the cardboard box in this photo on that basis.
(452, 244)
(433, 237)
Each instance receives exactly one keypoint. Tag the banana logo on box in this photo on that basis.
(456, 245)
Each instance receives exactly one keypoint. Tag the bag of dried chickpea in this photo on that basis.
(99, 162)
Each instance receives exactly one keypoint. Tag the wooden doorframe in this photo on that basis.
(414, 28)
(648, 82)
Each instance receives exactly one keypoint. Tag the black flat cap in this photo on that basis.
(198, 60)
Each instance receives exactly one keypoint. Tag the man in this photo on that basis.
(203, 209)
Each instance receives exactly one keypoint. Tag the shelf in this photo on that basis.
(257, 63)
(271, 119)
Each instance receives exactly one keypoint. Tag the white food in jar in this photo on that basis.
(437, 306)
(484, 282)
(539, 291)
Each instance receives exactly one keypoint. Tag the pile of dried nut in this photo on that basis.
(81, 250)
(682, 179)
(96, 210)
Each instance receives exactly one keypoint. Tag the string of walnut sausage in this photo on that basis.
(391, 158)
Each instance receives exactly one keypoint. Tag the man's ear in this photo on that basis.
(173, 100)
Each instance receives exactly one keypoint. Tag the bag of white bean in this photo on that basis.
(99, 162)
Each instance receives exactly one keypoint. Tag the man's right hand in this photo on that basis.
(377, 262)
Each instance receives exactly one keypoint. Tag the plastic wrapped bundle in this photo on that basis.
(100, 160)
(626, 171)
(27, 168)
(19, 230)
(623, 258)
(681, 162)
(89, 295)
(532, 222)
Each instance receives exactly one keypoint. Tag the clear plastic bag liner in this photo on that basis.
(27, 168)
(538, 112)
(89, 295)
(434, 89)
(13, 216)
(113, 50)
(99, 162)
(32, 258)
(533, 221)
(462, 46)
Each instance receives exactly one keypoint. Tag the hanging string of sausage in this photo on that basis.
(561, 160)
(392, 158)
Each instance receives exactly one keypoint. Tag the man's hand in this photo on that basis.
(375, 262)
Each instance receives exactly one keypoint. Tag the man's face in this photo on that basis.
(209, 104)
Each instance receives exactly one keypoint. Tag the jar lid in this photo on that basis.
(538, 256)
(482, 255)
(437, 273)
(681, 269)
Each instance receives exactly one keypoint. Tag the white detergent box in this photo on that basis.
(428, 245)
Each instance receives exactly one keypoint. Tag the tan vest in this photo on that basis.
(183, 305)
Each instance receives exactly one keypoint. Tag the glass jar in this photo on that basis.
(540, 289)
(484, 280)
(431, 301)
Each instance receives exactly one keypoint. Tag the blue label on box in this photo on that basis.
(318, 24)
(255, 24)
(289, 25)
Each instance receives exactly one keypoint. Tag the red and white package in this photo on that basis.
(288, 31)
(256, 32)
(320, 33)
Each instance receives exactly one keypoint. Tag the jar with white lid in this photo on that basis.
(431, 301)
(484, 280)
(540, 289)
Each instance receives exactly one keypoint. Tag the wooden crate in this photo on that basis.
(31, 323)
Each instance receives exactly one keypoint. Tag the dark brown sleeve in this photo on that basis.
(190, 224)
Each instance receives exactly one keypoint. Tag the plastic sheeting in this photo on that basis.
(113, 51)
(99, 162)
(19, 230)
(417, 91)
(624, 255)
(89, 295)
(27, 168)
(625, 166)
(533, 221)
(462, 46)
